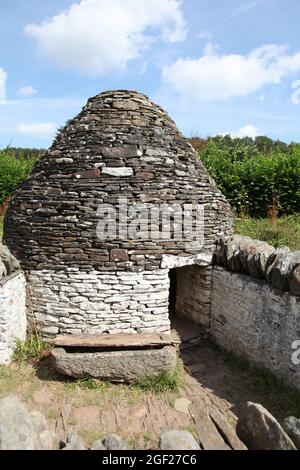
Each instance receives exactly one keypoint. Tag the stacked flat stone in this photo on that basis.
(12, 304)
(120, 145)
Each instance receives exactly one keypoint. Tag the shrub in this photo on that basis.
(254, 182)
(13, 170)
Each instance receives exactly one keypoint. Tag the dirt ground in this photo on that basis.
(136, 415)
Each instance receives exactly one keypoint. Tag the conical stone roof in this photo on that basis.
(120, 145)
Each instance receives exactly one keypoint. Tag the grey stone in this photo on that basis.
(21, 429)
(254, 257)
(277, 269)
(115, 442)
(259, 430)
(291, 425)
(73, 442)
(8, 263)
(178, 440)
(227, 431)
(208, 434)
(121, 366)
(182, 405)
(294, 273)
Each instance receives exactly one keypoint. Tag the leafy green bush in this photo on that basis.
(13, 170)
(253, 181)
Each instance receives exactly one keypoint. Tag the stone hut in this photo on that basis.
(124, 146)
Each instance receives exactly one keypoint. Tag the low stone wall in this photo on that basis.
(255, 320)
(72, 301)
(12, 313)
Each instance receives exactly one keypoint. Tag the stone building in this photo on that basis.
(121, 150)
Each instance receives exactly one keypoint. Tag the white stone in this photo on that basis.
(172, 261)
(118, 171)
(12, 314)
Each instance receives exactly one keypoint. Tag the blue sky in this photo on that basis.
(217, 66)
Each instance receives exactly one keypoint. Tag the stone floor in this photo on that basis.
(208, 383)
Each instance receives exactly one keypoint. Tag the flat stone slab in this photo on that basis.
(115, 366)
(209, 436)
(120, 340)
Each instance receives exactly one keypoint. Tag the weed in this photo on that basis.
(53, 414)
(192, 429)
(91, 384)
(163, 382)
(148, 437)
(32, 350)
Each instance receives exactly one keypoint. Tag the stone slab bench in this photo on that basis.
(120, 340)
(117, 358)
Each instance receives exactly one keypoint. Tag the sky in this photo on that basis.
(217, 66)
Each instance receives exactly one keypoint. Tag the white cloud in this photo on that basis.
(36, 129)
(204, 35)
(249, 130)
(3, 76)
(98, 36)
(27, 91)
(220, 77)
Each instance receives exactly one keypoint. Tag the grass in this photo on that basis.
(274, 391)
(90, 384)
(163, 382)
(32, 350)
(285, 231)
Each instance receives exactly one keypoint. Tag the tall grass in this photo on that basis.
(284, 231)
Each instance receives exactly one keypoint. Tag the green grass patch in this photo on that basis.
(277, 395)
(90, 384)
(32, 350)
(284, 231)
(163, 382)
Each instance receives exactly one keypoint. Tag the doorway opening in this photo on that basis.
(189, 301)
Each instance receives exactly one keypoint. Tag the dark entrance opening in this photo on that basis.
(172, 293)
(185, 307)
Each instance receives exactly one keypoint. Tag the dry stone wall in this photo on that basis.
(257, 321)
(73, 301)
(194, 293)
(12, 305)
